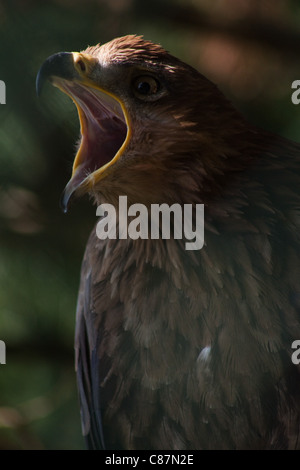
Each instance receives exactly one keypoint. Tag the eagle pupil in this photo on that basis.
(144, 88)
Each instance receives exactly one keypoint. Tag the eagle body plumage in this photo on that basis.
(180, 349)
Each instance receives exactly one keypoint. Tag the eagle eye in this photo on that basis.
(145, 87)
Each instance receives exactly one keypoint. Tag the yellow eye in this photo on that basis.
(145, 86)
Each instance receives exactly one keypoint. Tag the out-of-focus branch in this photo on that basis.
(45, 351)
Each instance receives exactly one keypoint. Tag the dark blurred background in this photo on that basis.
(250, 48)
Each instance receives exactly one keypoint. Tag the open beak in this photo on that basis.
(104, 121)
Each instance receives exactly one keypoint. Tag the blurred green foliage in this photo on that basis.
(41, 249)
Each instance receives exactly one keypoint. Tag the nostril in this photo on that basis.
(81, 64)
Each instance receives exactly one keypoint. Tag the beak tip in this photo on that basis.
(64, 202)
(68, 195)
(60, 64)
(38, 84)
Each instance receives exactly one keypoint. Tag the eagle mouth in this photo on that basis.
(104, 131)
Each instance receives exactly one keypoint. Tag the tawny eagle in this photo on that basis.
(177, 348)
